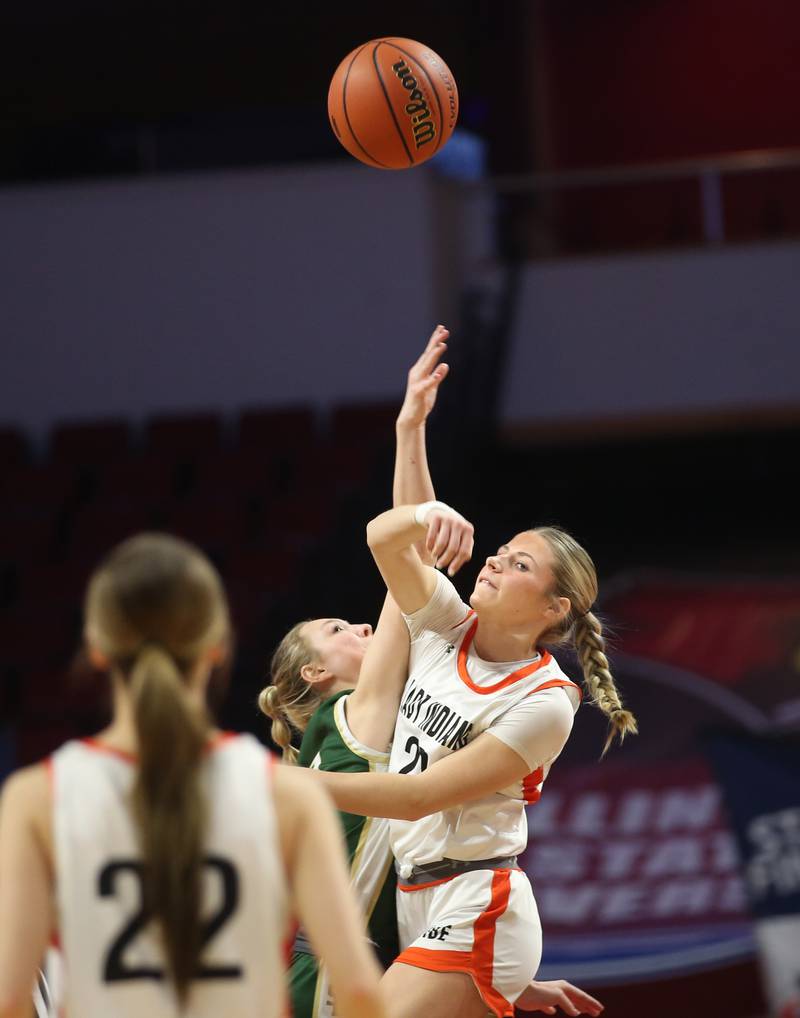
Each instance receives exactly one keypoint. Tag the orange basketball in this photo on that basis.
(393, 103)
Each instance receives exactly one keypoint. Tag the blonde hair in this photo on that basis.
(290, 701)
(576, 579)
(153, 607)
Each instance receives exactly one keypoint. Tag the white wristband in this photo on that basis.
(422, 510)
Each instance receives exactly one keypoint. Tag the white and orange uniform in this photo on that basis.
(113, 958)
(484, 921)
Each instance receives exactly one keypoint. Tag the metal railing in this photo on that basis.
(708, 171)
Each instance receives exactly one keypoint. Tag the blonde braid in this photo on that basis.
(269, 703)
(290, 701)
(597, 677)
(576, 579)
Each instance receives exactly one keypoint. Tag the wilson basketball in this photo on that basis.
(393, 103)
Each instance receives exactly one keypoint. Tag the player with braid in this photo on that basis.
(575, 579)
(339, 685)
(484, 714)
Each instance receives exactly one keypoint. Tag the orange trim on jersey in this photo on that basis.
(103, 747)
(509, 680)
(479, 962)
(421, 887)
(485, 928)
(457, 961)
(219, 740)
(530, 786)
(289, 940)
(553, 683)
(470, 613)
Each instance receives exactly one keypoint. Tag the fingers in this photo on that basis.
(450, 541)
(566, 1005)
(550, 995)
(579, 1000)
(436, 377)
(434, 349)
(434, 522)
(463, 552)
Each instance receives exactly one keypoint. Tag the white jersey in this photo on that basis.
(114, 963)
(450, 698)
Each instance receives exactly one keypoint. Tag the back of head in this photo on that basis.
(576, 579)
(289, 701)
(154, 607)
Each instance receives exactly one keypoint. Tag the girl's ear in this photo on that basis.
(561, 607)
(314, 673)
(216, 655)
(99, 660)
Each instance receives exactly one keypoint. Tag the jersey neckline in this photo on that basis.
(94, 743)
(519, 673)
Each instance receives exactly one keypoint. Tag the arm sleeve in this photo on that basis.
(443, 612)
(538, 727)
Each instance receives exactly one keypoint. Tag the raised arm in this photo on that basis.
(372, 707)
(412, 479)
(392, 537)
(314, 860)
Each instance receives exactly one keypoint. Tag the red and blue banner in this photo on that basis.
(636, 861)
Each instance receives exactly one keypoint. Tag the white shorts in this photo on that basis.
(484, 923)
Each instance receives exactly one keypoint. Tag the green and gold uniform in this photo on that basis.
(329, 745)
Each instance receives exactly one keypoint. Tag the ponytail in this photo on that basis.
(290, 701)
(576, 579)
(269, 703)
(597, 677)
(156, 608)
(169, 805)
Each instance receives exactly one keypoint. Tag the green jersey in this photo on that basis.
(329, 745)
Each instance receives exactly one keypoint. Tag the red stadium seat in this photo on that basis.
(370, 425)
(144, 480)
(191, 435)
(97, 528)
(236, 474)
(91, 443)
(277, 430)
(14, 450)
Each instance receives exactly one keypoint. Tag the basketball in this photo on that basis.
(393, 103)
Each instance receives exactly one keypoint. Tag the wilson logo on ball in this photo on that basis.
(393, 103)
(417, 108)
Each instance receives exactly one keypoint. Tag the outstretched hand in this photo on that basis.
(547, 996)
(424, 379)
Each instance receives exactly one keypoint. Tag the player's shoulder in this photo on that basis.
(323, 716)
(321, 725)
(551, 678)
(26, 789)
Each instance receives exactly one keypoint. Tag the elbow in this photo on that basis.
(360, 1001)
(376, 533)
(416, 805)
